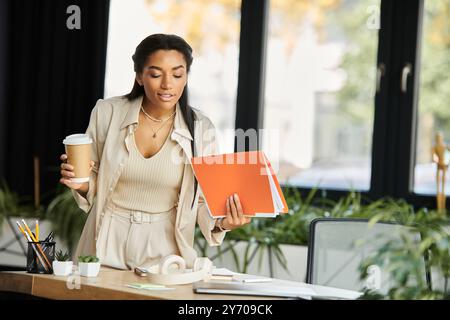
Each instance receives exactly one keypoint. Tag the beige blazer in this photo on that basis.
(111, 126)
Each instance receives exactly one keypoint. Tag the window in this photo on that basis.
(319, 91)
(330, 119)
(434, 92)
(212, 29)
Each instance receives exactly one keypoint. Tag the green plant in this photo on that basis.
(404, 258)
(62, 256)
(88, 259)
(267, 235)
(66, 218)
(11, 205)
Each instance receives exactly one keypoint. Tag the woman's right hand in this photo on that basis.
(67, 174)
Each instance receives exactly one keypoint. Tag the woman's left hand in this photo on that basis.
(235, 216)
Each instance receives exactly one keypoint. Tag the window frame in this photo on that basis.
(395, 114)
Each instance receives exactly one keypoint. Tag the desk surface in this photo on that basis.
(109, 285)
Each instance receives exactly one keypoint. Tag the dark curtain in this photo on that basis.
(55, 77)
(4, 24)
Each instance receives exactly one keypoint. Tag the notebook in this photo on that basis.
(249, 174)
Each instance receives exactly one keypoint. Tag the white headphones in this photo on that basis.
(172, 271)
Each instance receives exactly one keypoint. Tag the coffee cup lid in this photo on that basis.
(79, 138)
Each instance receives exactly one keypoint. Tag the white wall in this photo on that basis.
(296, 257)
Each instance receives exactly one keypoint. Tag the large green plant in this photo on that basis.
(267, 235)
(404, 258)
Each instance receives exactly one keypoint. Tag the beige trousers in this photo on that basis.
(129, 239)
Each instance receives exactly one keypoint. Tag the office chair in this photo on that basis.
(338, 245)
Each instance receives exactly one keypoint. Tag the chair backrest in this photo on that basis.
(337, 246)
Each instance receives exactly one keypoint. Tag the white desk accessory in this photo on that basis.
(172, 271)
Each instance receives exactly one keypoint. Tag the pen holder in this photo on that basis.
(40, 256)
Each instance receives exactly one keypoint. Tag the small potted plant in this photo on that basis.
(62, 266)
(89, 266)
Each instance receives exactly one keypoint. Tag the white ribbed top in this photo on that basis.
(149, 184)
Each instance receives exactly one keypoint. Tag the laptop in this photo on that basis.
(275, 288)
(253, 289)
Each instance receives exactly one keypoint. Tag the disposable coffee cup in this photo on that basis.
(78, 150)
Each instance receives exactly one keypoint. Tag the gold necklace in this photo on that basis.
(154, 119)
(162, 125)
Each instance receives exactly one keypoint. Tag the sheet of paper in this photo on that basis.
(222, 272)
(250, 278)
(148, 286)
(284, 206)
(277, 203)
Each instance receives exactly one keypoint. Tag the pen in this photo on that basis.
(21, 229)
(49, 237)
(37, 230)
(32, 245)
(34, 239)
(257, 280)
(27, 229)
(250, 278)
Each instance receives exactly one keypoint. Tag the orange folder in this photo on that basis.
(249, 174)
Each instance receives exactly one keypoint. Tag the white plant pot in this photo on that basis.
(62, 268)
(89, 269)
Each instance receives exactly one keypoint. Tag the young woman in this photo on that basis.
(143, 202)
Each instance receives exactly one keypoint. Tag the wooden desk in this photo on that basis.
(109, 285)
